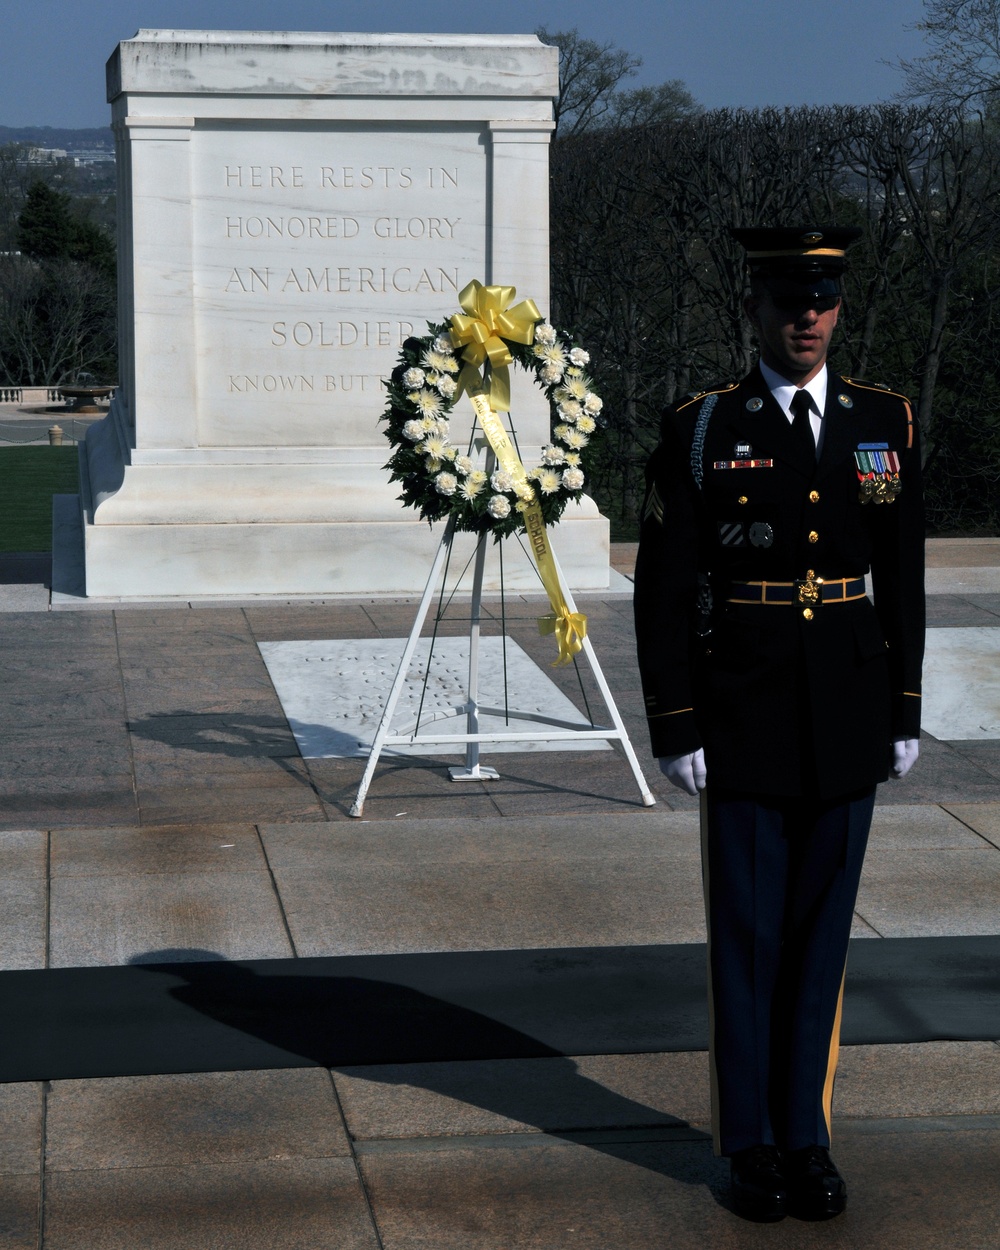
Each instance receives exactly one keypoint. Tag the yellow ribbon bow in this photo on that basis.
(481, 330)
(570, 629)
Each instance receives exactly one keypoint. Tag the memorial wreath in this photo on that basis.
(471, 352)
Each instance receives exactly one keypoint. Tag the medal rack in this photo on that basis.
(551, 729)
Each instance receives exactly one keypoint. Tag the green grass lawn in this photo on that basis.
(29, 477)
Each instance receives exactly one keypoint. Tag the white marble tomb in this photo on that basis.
(291, 207)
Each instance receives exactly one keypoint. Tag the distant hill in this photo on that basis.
(57, 137)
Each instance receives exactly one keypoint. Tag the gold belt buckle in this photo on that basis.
(808, 589)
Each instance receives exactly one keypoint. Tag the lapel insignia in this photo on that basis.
(761, 534)
(845, 401)
(731, 534)
(755, 404)
(742, 451)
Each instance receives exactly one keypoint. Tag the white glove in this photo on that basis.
(686, 772)
(904, 755)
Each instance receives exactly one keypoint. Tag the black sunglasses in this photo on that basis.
(799, 303)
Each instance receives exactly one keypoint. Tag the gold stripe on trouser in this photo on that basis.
(831, 1063)
(713, 1072)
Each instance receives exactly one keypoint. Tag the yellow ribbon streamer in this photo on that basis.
(481, 330)
(570, 628)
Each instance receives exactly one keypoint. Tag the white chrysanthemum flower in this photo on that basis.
(545, 334)
(443, 344)
(551, 374)
(572, 478)
(549, 481)
(430, 425)
(498, 507)
(432, 377)
(570, 409)
(576, 388)
(573, 372)
(479, 478)
(551, 353)
(560, 431)
(502, 480)
(427, 403)
(432, 466)
(593, 404)
(413, 378)
(470, 488)
(579, 357)
(574, 459)
(577, 440)
(446, 386)
(446, 483)
(414, 430)
(463, 464)
(554, 455)
(587, 425)
(434, 446)
(450, 453)
(440, 362)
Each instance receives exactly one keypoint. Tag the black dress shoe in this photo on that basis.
(759, 1190)
(816, 1190)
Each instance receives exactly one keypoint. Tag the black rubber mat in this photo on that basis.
(201, 1015)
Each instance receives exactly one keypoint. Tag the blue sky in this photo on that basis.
(737, 53)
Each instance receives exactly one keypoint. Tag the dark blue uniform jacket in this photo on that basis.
(784, 702)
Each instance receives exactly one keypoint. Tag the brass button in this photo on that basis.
(742, 499)
(808, 613)
(813, 536)
(814, 496)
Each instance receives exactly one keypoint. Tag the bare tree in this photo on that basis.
(591, 96)
(57, 319)
(644, 270)
(962, 65)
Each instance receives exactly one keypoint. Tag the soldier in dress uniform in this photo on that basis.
(776, 687)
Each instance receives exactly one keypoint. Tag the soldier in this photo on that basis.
(776, 688)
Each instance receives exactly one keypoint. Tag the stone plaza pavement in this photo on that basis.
(155, 809)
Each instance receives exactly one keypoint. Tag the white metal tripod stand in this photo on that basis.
(558, 730)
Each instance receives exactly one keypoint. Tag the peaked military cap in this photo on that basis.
(797, 260)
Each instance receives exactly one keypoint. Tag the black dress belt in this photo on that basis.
(809, 591)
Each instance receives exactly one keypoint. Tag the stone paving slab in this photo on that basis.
(193, 1118)
(165, 716)
(400, 1101)
(497, 1194)
(389, 909)
(100, 921)
(23, 924)
(168, 849)
(917, 826)
(451, 1155)
(984, 818)
(21, 1111)
(410, 1101)
(182, 697)
(247, 1205)
(919, 893)
(19, 1224)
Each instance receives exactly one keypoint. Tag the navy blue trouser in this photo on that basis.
(781, 880)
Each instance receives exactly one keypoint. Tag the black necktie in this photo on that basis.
(801, 426)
